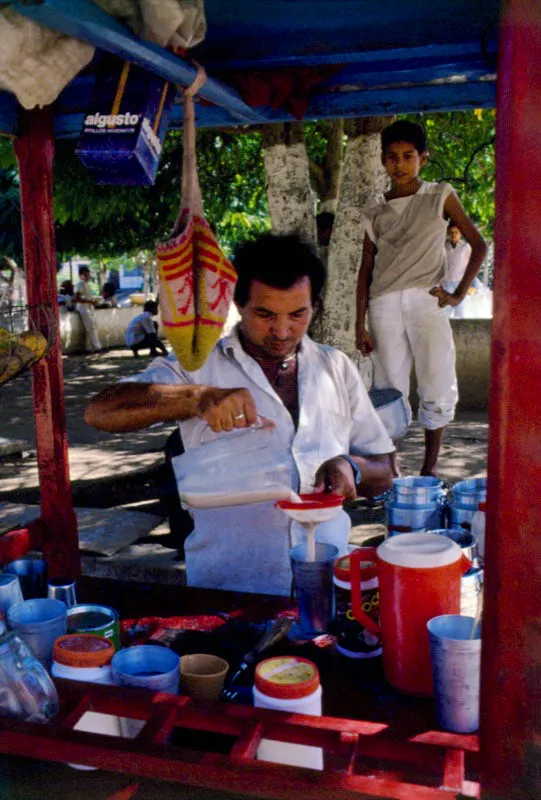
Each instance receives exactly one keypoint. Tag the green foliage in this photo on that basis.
(107, 220)
(232, 178)
(315, 136)
(10, 221)
(462, 152)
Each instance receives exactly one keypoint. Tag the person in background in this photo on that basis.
(326, 426)
(66, 294)
(108, 291)
(457, 254)
(84, 305)
(142, 332)
(399, 284)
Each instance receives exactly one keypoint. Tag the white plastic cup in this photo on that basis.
(456, 666)
(32, 574)
(147, 666)
(10, 591)
(39, 622)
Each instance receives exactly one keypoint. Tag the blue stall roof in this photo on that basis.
(358, 57)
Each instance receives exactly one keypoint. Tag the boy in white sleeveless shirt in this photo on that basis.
(400, 284)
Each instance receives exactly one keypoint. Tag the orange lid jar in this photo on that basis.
(288, 683)
(286, 677)
(83, 650)
(83, 657)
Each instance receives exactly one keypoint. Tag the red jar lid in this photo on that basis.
(286, 677)
(312, 502)
(368, 565)
(83, 650)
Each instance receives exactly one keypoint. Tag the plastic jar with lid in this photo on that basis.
(86, 657)
(352, 638)
(288, 683)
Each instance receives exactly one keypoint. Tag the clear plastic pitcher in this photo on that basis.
(251, 465)
(26, 690)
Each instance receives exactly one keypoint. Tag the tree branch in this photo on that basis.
(317, 175)
(464, 180)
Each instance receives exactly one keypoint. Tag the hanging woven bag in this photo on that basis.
(196, 279)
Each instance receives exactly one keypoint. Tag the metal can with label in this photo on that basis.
(352, 639)
(100, 620)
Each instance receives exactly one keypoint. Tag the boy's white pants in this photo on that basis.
(408, 328)
(86, 312)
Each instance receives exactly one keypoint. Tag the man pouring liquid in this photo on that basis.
(267, 367)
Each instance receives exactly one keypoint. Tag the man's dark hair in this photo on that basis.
(277, 261)
(404, 131)
(109, 287)
(151, 306)
(83, 270)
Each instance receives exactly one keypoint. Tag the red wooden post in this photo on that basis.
(511, 661)
(35, 150)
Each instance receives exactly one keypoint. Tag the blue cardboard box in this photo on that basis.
(125, 127)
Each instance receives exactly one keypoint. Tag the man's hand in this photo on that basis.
(225, 409)
(364, 341)
(445, 298)
(336, 476)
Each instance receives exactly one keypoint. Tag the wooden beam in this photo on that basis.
(369, 56)
(511, 656)
(450, 97)
(35, 149)
(86, 21)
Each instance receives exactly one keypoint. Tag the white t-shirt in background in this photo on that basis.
(139, 327)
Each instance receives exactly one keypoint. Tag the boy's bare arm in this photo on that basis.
(80, 299)
(128, 407)
(454, 210)
(364, 342)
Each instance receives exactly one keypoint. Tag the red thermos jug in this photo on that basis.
(419, 578)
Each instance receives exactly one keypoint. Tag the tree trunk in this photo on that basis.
(363, 184)
(327, 177)
(290, 196)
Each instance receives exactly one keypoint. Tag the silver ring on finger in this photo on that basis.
(238, 416)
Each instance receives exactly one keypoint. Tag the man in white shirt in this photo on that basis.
(142, 332)
(457, 255)
(268, 366)
(84, 305)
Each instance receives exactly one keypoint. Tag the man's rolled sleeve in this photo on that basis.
(161, 371)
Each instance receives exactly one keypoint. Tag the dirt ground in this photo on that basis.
(118, 469)
(126, 472)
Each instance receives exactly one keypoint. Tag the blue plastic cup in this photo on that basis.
(456, 665)
(314, 587)
(147, 666)
(10, 591)
(32, 574)
(39, 623)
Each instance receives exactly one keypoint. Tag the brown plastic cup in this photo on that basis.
(202, 676)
